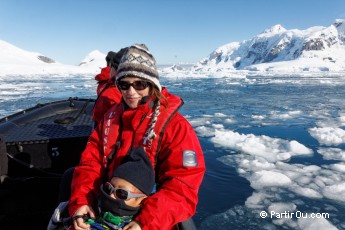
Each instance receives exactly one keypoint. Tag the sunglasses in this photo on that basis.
(121, 193)
(137, 85)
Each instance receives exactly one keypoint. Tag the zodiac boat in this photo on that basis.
(36, 146)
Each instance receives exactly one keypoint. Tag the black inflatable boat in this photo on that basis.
(36, 146)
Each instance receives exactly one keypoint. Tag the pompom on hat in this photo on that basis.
(139, 62)
(136, 168)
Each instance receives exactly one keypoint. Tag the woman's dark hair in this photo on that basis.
(157, 95)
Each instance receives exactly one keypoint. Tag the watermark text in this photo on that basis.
(290, 215)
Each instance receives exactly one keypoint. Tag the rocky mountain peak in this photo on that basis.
(321, 48)
(275, 29)
(339, 24)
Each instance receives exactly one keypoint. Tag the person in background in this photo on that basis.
(107, 93)
(103, 77)
(147, 117)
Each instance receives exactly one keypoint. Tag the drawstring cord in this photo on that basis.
(151, 135)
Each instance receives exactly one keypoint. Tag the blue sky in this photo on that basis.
(176, 31)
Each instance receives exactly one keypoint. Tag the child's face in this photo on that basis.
(124, 184)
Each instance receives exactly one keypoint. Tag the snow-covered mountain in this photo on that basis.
(16, 61)
(11, 54)
(275, 51)
(280, 50)
(95, 58)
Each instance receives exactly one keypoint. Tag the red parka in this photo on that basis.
(109, 96)
(178, 176)
(102, 79)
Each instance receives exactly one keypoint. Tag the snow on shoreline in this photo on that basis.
(16, 70)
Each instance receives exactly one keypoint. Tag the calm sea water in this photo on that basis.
(278, 107)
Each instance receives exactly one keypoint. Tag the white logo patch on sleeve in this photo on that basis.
(189, 158)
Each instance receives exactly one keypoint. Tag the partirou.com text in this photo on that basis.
(297, 214)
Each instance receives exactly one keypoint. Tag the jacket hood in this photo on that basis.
(104, 75)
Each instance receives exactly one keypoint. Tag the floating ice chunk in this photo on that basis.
(271, 149)
(285, 116)
(283, 156)
(258, 117)
(303, 180)
(305, 191)
(315, 224)
(328, 135)
(335, 192)
(229, 121)
(342, 120)
(338, 167)
(332, 153)
(281, 207)
(219, 115)
(218, 126)
(199, 121)
(311, 168)
(256, 200)
(266, 178)
(256, 165)
(298, 148)
(276, 209)
(204, 131)
(324, 180)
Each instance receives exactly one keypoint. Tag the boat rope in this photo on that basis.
(30, 166)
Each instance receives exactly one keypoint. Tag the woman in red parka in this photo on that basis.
(147, 117)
